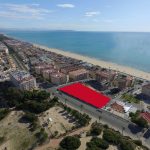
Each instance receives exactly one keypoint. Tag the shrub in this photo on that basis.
(3, 113)
(100, 143)
(111, 136)
(138, 142)
(42, 136)
(70, 143)
(96, 131)
(127, 145)
(30, 117)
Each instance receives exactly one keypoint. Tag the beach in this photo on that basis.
(104, 64)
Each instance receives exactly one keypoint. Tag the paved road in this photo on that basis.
(106, 117)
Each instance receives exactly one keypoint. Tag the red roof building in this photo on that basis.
(86, 94)
(146, 116)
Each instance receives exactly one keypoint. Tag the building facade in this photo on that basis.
(105, 76)
(58, 78)
(146, 90)
(79, 74)
(23, 80)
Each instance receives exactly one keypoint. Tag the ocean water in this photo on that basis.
(124, 48)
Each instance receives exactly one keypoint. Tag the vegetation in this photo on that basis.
(30, 117)
(127, 145)
(96, 129)
(70, 143)
(83, 119)
(35, 101)
(130, 98)
(111, 136)
(114, 137)
(3, 113)
(97, 143)
(42, 136)
(135, 118)
(2, 139)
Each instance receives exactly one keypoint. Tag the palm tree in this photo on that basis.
(81, 107)
(65, 101)
(99, 118)
(123, 128)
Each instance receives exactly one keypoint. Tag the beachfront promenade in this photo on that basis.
(104, 64)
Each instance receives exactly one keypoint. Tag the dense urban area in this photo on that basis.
(49, 101)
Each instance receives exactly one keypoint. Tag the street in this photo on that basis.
(123, 126)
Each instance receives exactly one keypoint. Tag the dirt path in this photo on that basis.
(54, 143)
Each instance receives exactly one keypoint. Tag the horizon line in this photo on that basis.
(73, 30)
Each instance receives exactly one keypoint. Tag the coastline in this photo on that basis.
(105, 64)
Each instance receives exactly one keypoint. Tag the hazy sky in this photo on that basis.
(90, 15)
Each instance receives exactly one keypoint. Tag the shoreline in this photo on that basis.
(109, 65)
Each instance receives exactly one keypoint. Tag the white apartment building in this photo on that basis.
(23, 80)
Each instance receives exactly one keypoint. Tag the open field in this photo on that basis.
(60, 121)
(16, 135)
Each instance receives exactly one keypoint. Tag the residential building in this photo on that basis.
(68, 69)
(23, 80)
(146, 90)
(123, 82)
(3, 48)
(48, 72)
(39, 68)
(117, 107)
(79, 74)
(105, 75)
(146, 116)
(58, 78)
(121, 107)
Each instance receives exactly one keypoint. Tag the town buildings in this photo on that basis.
(58, 78)
(23, 80)
(123, 81)
(47, 73)
(3, 48)
(39, 68)
(121, 107)
(146, 90)
(146, 116)
(79, 74)
(105, 75)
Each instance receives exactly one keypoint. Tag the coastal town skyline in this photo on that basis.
(99, 15)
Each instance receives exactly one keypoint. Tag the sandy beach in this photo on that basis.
(104, 64)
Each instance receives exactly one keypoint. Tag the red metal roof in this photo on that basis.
(146, 116)
(86, 94)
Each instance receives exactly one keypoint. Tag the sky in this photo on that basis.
(81, 15)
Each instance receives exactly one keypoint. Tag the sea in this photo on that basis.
(130, 49)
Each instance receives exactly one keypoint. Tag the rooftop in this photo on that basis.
(78, 72)
(86, 94)
(57, 75)
(21, 75)
(146, 116)
(147, 86)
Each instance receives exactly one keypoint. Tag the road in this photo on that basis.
(123, 126)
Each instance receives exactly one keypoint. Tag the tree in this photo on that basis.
(42, 136)
(96, 131)
(70, 143)
(100, 142)
(111, 136)
(127, 145)
(81, 107)
(141, 122)
(123, 128)
(99, 118)
(3, 113)
(30, 117)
